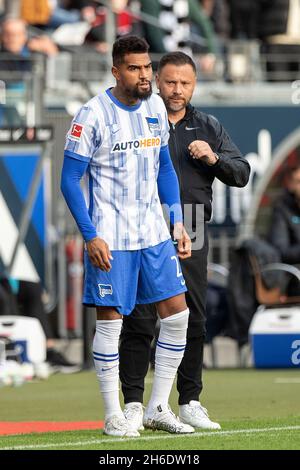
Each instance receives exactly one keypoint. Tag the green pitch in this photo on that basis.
(257, 410)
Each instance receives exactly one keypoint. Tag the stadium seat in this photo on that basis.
(274, 295)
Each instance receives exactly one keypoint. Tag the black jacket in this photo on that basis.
(285, 229)
(196, 177)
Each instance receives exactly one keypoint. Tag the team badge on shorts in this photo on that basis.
(105, 289)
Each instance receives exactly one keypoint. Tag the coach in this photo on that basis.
(201, 151)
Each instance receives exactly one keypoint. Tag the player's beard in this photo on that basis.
(138, 94)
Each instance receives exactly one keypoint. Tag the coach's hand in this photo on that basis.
(184, 242)
(99, 253)
(199, 149)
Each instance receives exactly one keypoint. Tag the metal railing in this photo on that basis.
(22, 80)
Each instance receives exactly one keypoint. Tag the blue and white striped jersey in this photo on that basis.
(122, 146)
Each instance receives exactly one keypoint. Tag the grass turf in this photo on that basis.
(240, 400)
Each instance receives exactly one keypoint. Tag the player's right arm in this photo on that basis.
(98, 250)
(81, 143)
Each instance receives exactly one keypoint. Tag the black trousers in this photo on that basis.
(139, 330)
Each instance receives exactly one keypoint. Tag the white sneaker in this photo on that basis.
(196, 415)
(118, 426)
(133, 413)
(165, 420)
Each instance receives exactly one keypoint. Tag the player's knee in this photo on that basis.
(107, 313)
(172, 306)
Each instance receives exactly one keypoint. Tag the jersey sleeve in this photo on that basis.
(72, 172)
(168, 186)
(84, 135)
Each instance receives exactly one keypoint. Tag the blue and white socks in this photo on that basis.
(169, 353)
(106, 359)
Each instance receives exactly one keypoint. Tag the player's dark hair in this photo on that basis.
(128, 45)
(176, 58)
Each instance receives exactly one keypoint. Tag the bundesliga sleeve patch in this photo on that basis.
(76, 131)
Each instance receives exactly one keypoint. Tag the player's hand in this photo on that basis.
(184, 246)
(99, 253)
(200, 149)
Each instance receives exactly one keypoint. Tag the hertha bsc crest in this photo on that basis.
(153, 124)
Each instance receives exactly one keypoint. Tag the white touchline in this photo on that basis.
(213, 434)
(283, 380)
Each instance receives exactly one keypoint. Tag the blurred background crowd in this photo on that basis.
(233, 38)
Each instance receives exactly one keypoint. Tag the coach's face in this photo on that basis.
(134, 75)
(176, 84)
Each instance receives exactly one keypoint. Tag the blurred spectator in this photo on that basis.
(13, 36)
(218, 13)
(125, 21)
(167, 36)
(176, 21)
(35, 12)
(50, 14)
(14, 54)
(25, 298)
(14, 40)
(17, 49)
(280, 32)
(71, 11)
(244, 18)
(285, 227)
(42, 44)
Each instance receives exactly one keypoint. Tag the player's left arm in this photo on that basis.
(169, 194)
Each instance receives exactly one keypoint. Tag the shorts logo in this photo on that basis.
(76, 131)
(105, 289)
(153, 124)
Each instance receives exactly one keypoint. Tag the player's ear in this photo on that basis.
(157, 80)
(115, 72)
